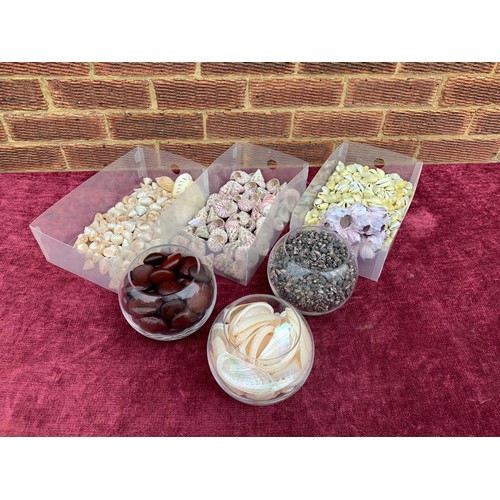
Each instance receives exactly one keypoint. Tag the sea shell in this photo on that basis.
(181, 184)
(242, 218)
(259, 224)
(202, 214)
(273, 185)
(212, 215)
(256, 215)
(251, 225)
(202, 232)
(238, 269)
(262, 192)
(266, 204)
(258, 178)
(233, 233)
(240, 177)
(221, 232)
(251, 187)
(247, 201)
(218, 223)
(198, 222)
(243, 376)
(211, 200)
(216, 242)
(243, 311)
(224, 208)
(246, 237)
(231, 188)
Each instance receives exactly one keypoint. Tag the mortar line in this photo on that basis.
(226, 140)
(398, 68)
(326, 109)
(44, 86)
(6, 128)
(296, 68)
(152, 95)
(91, 70)
(381, 129)
(345, 83)
(246, 100)
(63, 153)
(204, 123)
(197, 70)
(417, 149)
(107, 127)
(236, 76)
(439, 90)
(292, 126)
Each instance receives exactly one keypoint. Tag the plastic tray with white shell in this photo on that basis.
(260, 350)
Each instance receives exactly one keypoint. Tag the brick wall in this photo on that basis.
(56, 116)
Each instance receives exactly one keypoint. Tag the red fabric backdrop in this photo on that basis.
(417, 353)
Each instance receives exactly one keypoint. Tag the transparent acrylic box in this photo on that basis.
(248, 157)
(58, 227)
(408, 168)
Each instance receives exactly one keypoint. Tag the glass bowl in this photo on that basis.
(260, 350)
(314, 269)
(167, 292)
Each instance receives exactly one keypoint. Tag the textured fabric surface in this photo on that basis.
(416, 354)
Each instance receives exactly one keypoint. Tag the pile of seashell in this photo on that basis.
(371, 187)
(113, 239)
(259, 355)
(231, 218)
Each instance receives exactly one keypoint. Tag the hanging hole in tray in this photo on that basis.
(379, 163)
(175, 169)
(272, 164)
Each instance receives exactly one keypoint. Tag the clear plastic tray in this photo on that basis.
(58, 227)
(239, 267)
(408, 168)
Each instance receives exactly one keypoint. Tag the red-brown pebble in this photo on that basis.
(139, 307)
(155, 258)
(186, 263)
(172, 308)
(140, 275)
(169, 287)
(200, 301)
(184, 320)
(152, 324)
(171, 262)
(159, 275)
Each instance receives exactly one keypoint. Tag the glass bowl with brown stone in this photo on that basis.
(167, 292)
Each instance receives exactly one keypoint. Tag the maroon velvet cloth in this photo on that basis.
(416, 354)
